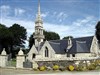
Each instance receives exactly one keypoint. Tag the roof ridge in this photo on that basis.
(82, 37)
(53, 42)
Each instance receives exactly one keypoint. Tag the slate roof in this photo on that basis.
(56, 47)
(62, 46)
(79, 45)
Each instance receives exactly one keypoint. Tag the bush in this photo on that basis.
(56, 67)
(92, 66)
(71, 68)
(81, 68)
(42, 68)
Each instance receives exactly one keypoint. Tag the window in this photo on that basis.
(46, 52)
(33, 55)
(73, 55)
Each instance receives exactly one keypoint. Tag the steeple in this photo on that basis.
(39, 8)
(38, 27)
(38, 17)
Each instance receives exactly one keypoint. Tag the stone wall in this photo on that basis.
(83, 55)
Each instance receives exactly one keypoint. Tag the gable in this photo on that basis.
(50, 50)
(33, 50)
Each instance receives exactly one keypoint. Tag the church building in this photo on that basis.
(73, 48)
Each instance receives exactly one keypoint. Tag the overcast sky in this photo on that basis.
(77, 18)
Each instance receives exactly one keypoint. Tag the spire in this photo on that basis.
(39, 8)
(38, 27)
(38, 17)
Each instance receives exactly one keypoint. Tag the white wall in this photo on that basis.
(83, 55)
(51, 51)
(60, 55)
(19, 61)
(3, 60)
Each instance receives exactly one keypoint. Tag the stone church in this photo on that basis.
(76, 48)
(83, 48)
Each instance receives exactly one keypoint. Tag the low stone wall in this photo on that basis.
(66, 58)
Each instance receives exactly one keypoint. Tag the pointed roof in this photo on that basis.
(38, 17)
(39, 13)
(20, 52)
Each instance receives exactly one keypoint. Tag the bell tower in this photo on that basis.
(38, 28)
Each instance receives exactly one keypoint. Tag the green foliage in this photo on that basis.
(98, 31)
(48, 36)
(31, 41)
(67, 37)
(51, 36)
(80, 68)
(92, 66)
(19, 34)
(12, 37)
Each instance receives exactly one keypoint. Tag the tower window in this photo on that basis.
(46, 52)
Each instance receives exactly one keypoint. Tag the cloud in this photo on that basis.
(61, 16)
(44, 14)
(81, 22)
(19, 11)
(10, 12)
(4, 10)
(79, 28)
(4, 7)
(83, 27)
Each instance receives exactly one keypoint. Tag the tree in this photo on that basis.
(12, 38)
(5, 36)
(31, 41)
(68, 37)
(48, 36)
(19, 37)
(51, 35)
(98, 31)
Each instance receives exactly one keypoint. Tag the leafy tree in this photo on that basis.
(48, 36)
(12, 38)
(98, 31)
(5, 36)
(51, 36)
(31, 41)
(68, 37)
(19, 36)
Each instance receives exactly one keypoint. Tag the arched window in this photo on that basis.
(46, 52)
(33, 56)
